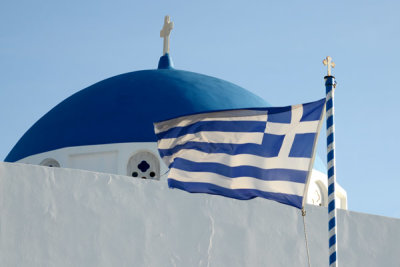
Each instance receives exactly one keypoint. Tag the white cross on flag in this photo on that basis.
(244, 153)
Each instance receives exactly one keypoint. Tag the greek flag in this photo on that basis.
(245, 153)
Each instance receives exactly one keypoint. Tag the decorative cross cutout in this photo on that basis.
(328, 62)
(165, 32)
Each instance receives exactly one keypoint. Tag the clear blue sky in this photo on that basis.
(51, 49)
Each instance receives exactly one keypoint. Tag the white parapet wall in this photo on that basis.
(123, 159)
(66, 217)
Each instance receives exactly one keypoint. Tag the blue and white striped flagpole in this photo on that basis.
(330, 85)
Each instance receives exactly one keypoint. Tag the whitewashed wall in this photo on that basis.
(115, 158)
(66, 217)
(108, 158)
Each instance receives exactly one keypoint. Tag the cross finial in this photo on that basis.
(165, 32)
(328, 62)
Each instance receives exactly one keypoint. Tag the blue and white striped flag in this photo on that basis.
(245, 153)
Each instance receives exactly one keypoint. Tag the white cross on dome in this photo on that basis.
(165, 33)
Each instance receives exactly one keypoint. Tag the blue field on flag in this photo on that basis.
(243, 154)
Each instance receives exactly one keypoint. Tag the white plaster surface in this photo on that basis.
(67, 217)
(116, 159)
(108, 158)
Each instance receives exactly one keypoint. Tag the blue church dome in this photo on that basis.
(123, 108)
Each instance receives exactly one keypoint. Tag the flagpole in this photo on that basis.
(330, 85)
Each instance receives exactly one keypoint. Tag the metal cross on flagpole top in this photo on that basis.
(330, 85)
(329, 63)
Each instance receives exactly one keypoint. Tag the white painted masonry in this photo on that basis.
(114, 159)
(67, 217)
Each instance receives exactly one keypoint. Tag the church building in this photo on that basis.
(108, 126)
(85, 186)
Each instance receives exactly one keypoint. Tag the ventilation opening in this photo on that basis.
(144, 165)
(49, 162)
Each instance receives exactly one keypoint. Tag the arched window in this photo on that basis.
(144, 165)
(49, 162)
